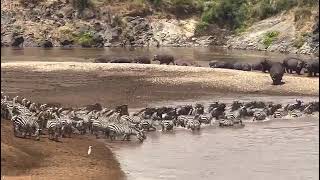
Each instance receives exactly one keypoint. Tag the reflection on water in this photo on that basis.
(83, 54)
(276, 149)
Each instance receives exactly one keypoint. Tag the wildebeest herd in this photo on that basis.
(276, 69)
(31, 119)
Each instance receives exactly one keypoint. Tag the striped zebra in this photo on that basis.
(193, 124)
(24, 125)
(166, 125)
(54, 127)
(259, 115)
(66, 128)
(225, 122)
(182, 120)
(295, 113)
(6, 109)
(100, 125)
(205, 118)
(236, 115)
(124, 131)
(146, 125)
(280, 113)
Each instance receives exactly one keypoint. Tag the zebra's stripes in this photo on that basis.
(25, 126)
(193, 124)
(125, 131)
(166, 125)
(54, 129)
(259, 115)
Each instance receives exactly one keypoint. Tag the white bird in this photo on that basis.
(89, 150)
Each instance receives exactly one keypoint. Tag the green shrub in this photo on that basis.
(85, 39)
(201, 27)
(269, 38)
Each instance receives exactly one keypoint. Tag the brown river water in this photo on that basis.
(285, 149)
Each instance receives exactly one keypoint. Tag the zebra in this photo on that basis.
(66, 129)
(259, 115)
(205, 118)
(226, 122)
(182, 120)
(54, 127)
(295, 113)
(279, 113)
(166, 125)
(125, 131)
(234, 116)
(193, 124)
(6, 109)
(26, 126)
(99, 125)
(146, 125)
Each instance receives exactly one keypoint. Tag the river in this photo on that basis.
(275, 149)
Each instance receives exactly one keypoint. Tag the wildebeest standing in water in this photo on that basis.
(164, 59)
(276, 73)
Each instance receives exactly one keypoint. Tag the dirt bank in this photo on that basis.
(56, 160)
(77, 84)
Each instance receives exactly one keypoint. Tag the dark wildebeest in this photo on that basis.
(92, 107)
(122, 109)
(293, 64)
(142, 60)
(164, 59)
(276, 73)
(312, 67)
(266, 65)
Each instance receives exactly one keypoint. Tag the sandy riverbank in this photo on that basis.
(44, 159)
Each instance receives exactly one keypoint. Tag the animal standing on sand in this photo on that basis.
(89, 150)
(266, 65)
(293, 64)
(164, 59)
(312, 68)
(276, 73)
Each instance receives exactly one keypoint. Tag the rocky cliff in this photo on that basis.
(57, 23)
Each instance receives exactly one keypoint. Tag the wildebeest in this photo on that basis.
(312, 67)
(276, 73)
(293, 64)
(164, 59)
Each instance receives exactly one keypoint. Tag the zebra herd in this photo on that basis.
(30, 119)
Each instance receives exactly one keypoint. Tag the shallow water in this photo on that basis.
(274, 149)
(283, 149)
(200, 55)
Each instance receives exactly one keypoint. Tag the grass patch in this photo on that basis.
(85, 39)
(269, 38)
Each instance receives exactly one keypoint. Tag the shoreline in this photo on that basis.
(219, 80)
(47, 159)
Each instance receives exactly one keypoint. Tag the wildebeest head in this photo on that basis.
(199, 109)
(123, 109)
(155, 58)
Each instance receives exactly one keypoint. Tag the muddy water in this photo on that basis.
(200, 55)
(275, 149)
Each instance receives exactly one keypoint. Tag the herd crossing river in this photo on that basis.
(275, 148)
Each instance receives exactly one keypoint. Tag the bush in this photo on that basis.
(226, 13)
(270, 37)
(201, 27)
(85, 39)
